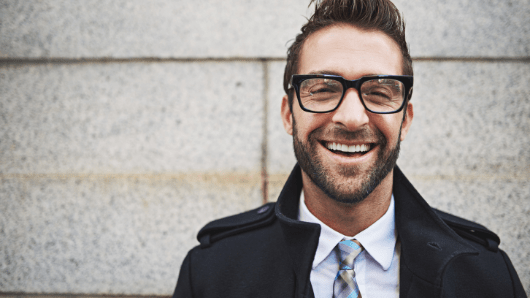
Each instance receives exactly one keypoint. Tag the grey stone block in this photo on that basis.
(280, 152)
(131, 118)
(161, 28)
(453, 28)
(212, 28)
(470, 119)
(108, 235)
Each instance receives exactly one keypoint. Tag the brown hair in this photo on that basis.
(379, 15)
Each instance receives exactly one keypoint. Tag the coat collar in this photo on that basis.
(427, 243)
(300, 237)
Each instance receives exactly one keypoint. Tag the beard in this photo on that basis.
(335, 183)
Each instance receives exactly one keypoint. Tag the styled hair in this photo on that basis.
(378, 15)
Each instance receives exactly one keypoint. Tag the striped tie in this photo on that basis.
(345, 285)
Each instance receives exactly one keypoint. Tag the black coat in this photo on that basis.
(266, 252)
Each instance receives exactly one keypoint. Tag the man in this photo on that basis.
(347, 223)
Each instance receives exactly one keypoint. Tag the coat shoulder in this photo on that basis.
(471, 231)
(236, 224)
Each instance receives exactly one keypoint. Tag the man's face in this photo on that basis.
(320, 139)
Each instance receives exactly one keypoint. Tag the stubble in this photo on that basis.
(336, 185)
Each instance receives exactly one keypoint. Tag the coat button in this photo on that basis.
(263, 209)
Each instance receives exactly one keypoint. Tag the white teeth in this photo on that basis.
(349, 149)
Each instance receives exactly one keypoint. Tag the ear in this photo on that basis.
(407, 121)
(287, 115)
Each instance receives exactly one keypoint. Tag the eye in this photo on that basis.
(320, 89)
(320, 86)
(380, 92)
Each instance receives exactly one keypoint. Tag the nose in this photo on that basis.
(351, 113)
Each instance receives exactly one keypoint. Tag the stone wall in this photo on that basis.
(127, 125)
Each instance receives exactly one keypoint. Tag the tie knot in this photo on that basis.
(348, 251)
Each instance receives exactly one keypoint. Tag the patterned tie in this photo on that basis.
(345, 285)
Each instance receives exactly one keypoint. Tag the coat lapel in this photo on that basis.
(427, 243)
(301, 238)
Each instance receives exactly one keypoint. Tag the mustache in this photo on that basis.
(337, 132)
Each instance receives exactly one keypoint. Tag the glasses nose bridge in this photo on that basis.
(355, 84)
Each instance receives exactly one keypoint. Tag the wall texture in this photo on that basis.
(127, 125)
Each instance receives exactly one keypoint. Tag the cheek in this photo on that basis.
(390, 127)
(306, 123)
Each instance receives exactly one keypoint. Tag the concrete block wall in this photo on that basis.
(127, 125)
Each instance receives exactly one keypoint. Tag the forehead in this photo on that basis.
(350, 52)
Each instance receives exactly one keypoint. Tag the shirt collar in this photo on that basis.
(379, 239)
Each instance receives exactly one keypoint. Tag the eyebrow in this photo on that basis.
(331, 72)
(322, 72)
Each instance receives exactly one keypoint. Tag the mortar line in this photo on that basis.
(239, 177)
(57, 295)
(264, 141)
(102, 60)
(473, 59)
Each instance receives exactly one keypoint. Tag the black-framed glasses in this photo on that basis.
(382, 94)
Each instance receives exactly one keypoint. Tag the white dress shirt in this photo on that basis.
(376, 267)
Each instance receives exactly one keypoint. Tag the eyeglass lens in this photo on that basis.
(379, 95)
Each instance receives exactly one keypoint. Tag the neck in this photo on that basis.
(348, 219)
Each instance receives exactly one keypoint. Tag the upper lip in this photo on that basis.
(348, 143)
(364, 147)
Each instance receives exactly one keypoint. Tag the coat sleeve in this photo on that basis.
(183, 288)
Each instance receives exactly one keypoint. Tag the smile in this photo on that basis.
(337, 147)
